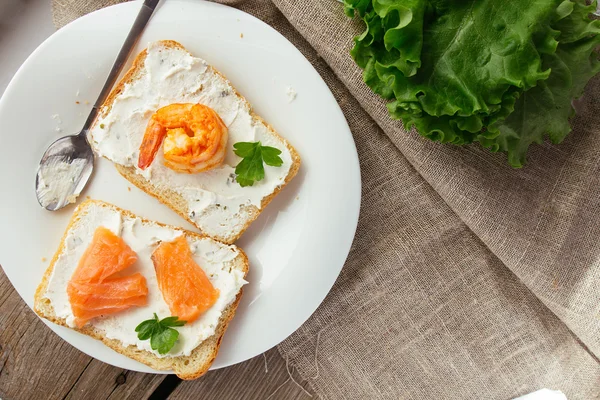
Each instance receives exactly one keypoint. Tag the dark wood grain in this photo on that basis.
(33, 360)
(100, 381)
(248, 380)
(36, 364)
(135, 386)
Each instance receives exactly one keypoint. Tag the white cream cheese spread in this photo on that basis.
(211, 256)
(57, 177)
(169, 76)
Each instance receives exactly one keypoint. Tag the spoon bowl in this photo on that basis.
(64, 170)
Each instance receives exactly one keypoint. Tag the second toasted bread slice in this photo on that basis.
(166, 73)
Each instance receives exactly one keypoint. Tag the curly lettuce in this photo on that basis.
(459, 71)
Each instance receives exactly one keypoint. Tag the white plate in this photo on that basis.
(298, 245)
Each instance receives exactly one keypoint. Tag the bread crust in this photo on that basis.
(186, 367)
(171, 198)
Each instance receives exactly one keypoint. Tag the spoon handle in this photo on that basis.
(132, 38)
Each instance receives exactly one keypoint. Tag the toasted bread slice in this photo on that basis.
(186, 367)
(233, 222)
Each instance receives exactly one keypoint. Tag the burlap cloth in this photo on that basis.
(467, 279)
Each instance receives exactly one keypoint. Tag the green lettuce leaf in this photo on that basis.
(546, 109)
(469, 70)
(471, 51)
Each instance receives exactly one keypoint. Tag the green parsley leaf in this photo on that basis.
(160, 332)
(145, 329)
(251, 168)
(271, 156)
(172, 321)
(245, 149)
(164, 339)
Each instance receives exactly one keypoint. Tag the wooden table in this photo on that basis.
(36, 364)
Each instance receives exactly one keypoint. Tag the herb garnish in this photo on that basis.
(253, 154)
(160, 332)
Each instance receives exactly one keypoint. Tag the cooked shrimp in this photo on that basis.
(194, 138)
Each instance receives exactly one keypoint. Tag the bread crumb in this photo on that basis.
(77, 93)
(87, 197)
(77, 102)
(241, 35)
(128, 188)
(291, 94)
(44, 259)
(72, 198)
(58, 120)
(86, 102)
(297, 197)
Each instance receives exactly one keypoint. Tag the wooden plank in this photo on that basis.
(136, 386)
(100, 381)
(36, 363)
(33, 358)
(248, 380)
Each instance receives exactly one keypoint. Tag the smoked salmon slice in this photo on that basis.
(105, 256)
(93, 290)
(185, 287)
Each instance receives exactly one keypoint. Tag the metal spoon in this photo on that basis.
(67, 165)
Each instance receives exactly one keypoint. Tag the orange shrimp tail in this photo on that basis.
(193, 136)
(153, 137)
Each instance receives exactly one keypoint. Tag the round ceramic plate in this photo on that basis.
(298, 245)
